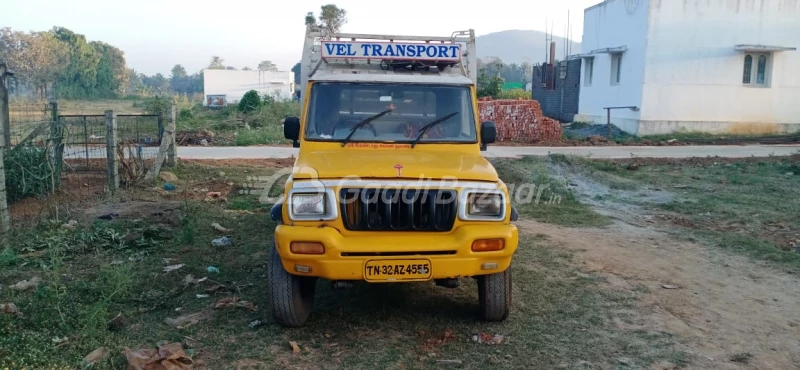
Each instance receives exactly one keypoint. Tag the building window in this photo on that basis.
(587, 80)
(748, 66)
(761, 75)
(616, 69)
(760, 69)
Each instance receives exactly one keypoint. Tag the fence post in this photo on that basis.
(111, 151)
(172, 151)
(5, 220)
(5, 121)
(57, 135)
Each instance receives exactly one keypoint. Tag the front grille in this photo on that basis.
(398, 209)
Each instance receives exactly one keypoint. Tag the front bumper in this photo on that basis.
(461, 262)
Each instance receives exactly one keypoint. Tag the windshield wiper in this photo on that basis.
(364, 123)
(429, 126)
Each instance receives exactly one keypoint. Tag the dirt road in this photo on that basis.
(724, 305)
(728, 311)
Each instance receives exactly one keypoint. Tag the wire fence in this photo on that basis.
(58, 163)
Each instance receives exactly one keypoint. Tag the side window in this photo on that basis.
(587, 81)
(616, 68)
(748, 67)
(757, 70)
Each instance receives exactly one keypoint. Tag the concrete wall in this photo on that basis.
(235, 84)
(612, 24)
(561, 103)
(693, 77)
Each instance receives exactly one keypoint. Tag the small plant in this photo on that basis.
(514, 94)
(28, 172)
(250, 102)
(186, 113)
(8, 257)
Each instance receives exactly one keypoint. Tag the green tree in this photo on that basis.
(331, 18)
(267, 65)
(489, 83)
(247, 68)
(38, 59)
(134, 83)
(111, 71)
(250, 102)
(311, 19)
(79, 78)
(216, 63)
(179, 80)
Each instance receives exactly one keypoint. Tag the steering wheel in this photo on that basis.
(350, 123)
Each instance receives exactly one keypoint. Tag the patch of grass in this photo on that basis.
(538, 195)
(259, 136)
(561, 316)
(701, 137)
(739, 205)
(227, 123)
(8, 257)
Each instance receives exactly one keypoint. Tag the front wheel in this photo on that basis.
(494, 294)
(291, 297)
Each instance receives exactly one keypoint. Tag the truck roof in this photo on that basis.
(344, 57)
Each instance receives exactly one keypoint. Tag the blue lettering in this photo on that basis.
(377, 50)
(420, 50)
(389, 51)
(411, 51)
(365, 49)
(442, 51)
(431, 51)
(340, 49)
(454, 50)
(329, 48)
(401, 50)
(350, 51)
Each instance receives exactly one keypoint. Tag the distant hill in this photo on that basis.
(517, 46)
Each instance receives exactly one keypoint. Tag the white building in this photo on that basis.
(723, 66)
(234, 84)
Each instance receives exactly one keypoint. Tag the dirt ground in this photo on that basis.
(724, 304)
(729, 311)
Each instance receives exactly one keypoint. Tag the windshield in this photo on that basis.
(395, 113)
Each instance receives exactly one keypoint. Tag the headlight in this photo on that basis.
(482, 205)
(308, 204)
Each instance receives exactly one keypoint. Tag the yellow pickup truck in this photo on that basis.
(390, 185)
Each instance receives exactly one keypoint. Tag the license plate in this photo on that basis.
(396, 270)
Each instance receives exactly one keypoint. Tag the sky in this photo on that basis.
(157, 34)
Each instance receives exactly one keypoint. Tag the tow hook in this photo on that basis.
(341, 285)
(448, 283)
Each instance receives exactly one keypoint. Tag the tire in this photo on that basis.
(291, 297)
(494, 295)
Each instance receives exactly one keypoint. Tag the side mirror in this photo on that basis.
(488, 134)
(291, 130)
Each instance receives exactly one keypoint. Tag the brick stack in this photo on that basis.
(519, 121)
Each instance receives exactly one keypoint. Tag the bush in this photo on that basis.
(250, 102)
(157, 105)
(514, 94)
(161, 104)
(28, 172)
(186, 113)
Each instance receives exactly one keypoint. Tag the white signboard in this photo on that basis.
(449, 52)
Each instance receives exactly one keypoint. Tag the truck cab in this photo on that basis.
(390, 185)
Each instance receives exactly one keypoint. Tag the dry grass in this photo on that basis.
(562, 316)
